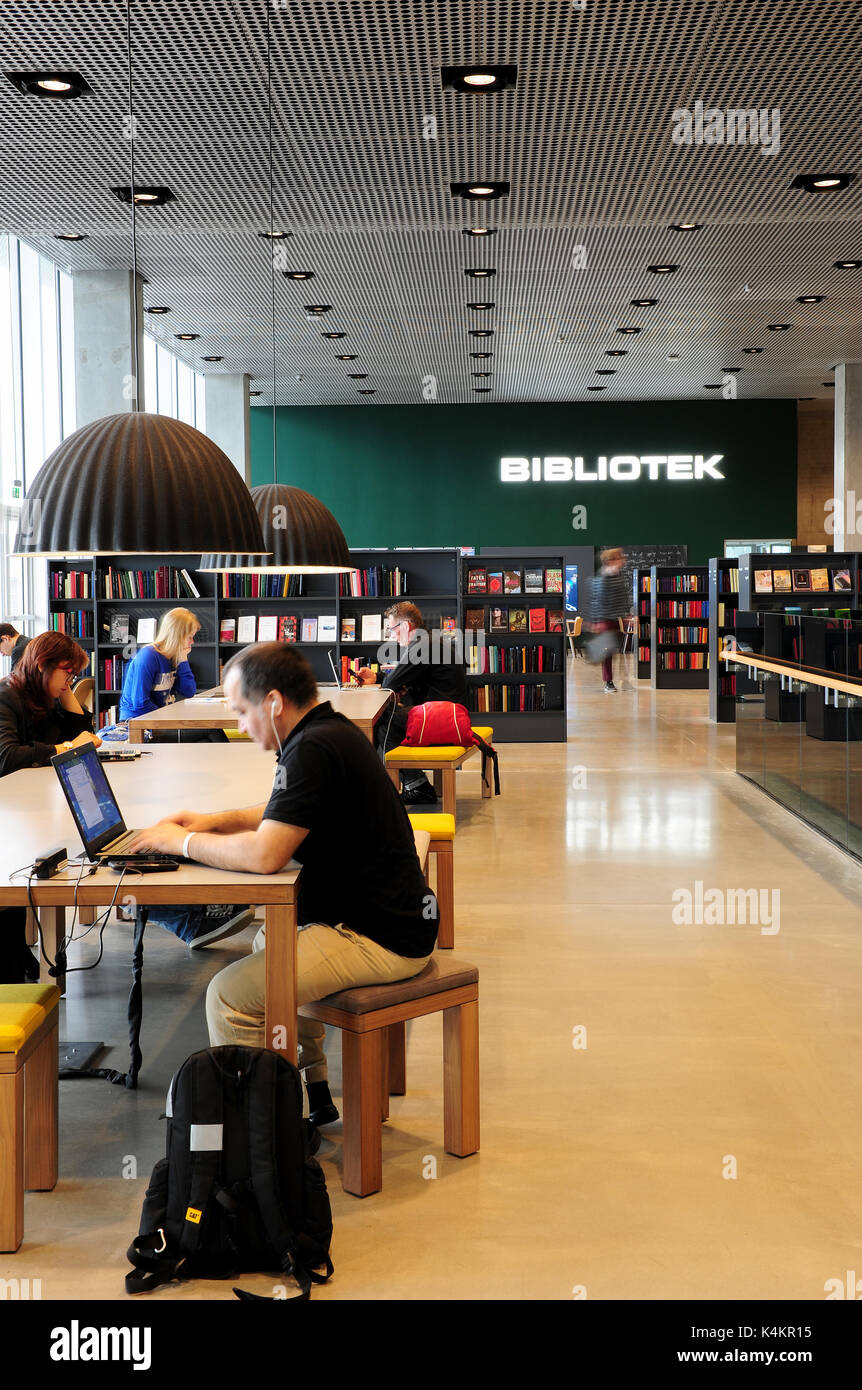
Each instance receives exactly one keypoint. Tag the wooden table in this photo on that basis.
(363, 706)
(171, 777)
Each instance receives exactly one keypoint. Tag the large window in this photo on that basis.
(171, 387)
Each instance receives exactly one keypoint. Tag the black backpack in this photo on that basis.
(238, 1189)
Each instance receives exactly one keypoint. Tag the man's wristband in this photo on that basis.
(186, 843)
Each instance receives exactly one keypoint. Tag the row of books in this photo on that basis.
(680, 583)
(350, 669)
(110, 715)
(262, 585)
(727, 685)
(112, 668)
(117, 630)
(728, 581)
(377, 581)
(513, 620)
(646, 584)
(271, 627)
(163, 582)
(682, 661)
(683, 634)
(71, 584)
(526, 581)
(726, 615)
(802, 581)
(500, 660)
(643, 654)
(507, 699)
(77, 622)
(685, 608)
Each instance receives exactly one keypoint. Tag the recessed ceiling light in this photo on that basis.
(751, 351)
(255, 393)
(597, 388)
(481, 77)
(629, 329)
(685, 226)
(481, 190)
(845, 265)
(643, 303)
(298, 274)
(827, 383)
(712, 386)
(333, 335)
(605, 371)
(481, 332)
(187, 337)
(822, 183)
(480, 272)
(346, 356)
(481, 390)
(731, 371)
(158, 309)
(357, 376)
(478, 231)
(212, 359)
(317, 308)
(472, 305)
(672, 356)
(150, 195)
(70, 236)
(662, 269)
(366, 390)
(778, 327)
(810, 298)
(57, 86)
(482, 355)
(481, 373)
(616, 352)
(275, 236)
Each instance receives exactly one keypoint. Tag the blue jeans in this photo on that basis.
(185, 922)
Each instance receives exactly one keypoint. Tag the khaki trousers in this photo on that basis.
(327, 959)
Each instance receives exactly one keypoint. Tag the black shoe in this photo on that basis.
(321, 1110)
(312, 1134)
(30, 967)
(421, 795)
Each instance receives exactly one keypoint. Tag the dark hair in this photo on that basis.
(406, 613)
(7, 630)
(273, 666)
(49, 649)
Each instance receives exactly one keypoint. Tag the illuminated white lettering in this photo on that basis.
(624, 468)
(652, 462)
(603, 468)
(679, 465)
(701, 467)
(515, 470)
(558, 469)
(581, 475)
(537, 469)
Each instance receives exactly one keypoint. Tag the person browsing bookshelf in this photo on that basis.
(39, 716)
(425, 671)
(364, 911)
(160, 673)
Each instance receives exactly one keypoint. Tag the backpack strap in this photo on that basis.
(488, 752)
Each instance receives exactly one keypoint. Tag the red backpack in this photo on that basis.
(442, 722)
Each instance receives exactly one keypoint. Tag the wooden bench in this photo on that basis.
(443, 762)
(441, 828)
(372, 1019)
(29, 1058)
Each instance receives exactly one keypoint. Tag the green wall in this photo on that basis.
(427, 475)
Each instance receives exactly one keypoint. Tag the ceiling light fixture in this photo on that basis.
(481, 332)
(752, 351)
(685, 226)
(472, 305)
(366, 390)
(255, 393)
(187, 337)
(302, 535)
(150, 195)
(478, 231)
(55, 86)
(317, 308)
(778, 327)
(597, 388)
(822, 183)
(480, 78)
(827, 383)
(486, 374)
(616, 352)
(481, 190)
(158, 309)
(480, 272)
(712, 386)
(346, 356)
(662, 269)
(333, 335)
(357, 376)
(275, 236)
(629, 329)
(643, 303)
(70, 236)
(298, 274)
(481, 390)
(212, 359)
(605, 371)
(847, 265)
(482, 355)
(810, 298)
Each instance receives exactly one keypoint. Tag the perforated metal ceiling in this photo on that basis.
(584, 139)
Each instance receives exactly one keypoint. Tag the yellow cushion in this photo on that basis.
(438, 824)
(484, 731)
(237, 734)
(22, 1009)
(424, 757)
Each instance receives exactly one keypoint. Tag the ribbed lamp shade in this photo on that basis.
(301, 533)
(140, 484)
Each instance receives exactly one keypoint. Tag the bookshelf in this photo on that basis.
(727, 619)
(428, 578)
(525, 665)
(679, 613)
(298, 598)
(641, 607)
(755, 597)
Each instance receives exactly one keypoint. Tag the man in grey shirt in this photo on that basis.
(610, 600)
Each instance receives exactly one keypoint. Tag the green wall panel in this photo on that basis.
(428, 475)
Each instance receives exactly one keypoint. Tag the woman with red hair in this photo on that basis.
(39, 716)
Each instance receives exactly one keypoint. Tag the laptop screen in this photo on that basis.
(90, 798)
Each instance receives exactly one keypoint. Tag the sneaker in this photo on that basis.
(610, 688)
(220, 921)
(421, 795)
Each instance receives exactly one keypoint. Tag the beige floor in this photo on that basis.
(601, 1167)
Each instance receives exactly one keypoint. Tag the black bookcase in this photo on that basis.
(755, 598)
(516, 725)
(427, 578)
(691, 602)
(642, 609)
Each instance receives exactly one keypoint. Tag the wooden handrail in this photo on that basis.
(803, 674)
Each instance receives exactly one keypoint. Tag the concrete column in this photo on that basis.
(229, 418)
(848, 456)
(104, 332)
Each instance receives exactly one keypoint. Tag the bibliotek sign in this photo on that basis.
(618, 468)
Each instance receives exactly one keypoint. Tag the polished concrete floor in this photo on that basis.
(669, 1110)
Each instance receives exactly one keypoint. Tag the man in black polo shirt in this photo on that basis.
(12, 643)
(366, 915)
(425, 671)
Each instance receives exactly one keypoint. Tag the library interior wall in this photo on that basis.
(816, 470)
(429, 474)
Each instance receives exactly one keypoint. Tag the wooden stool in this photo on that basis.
(443, 761)
(29, 1056)
(371, 1019)
(441, 828)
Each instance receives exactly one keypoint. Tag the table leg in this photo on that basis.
(281, 979)
(136, 735)
(53, 920)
